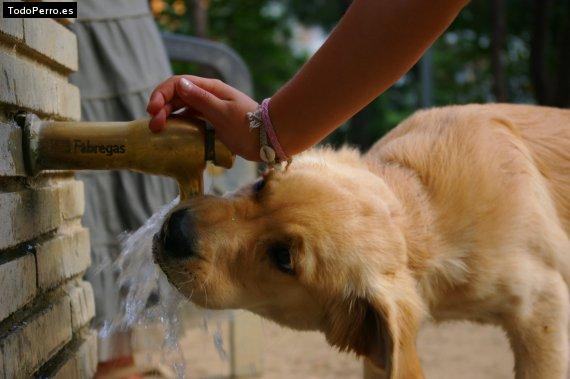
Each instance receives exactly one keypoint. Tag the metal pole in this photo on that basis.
(426, 79)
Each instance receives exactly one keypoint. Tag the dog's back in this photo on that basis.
(497, 176)
(446, 145)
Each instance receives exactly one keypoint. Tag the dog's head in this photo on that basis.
(318, 246)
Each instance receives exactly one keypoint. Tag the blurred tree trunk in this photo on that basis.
(562, 96)
(199, 20)
(498, 39)
(200, 16)
(360, 133)
(550, 52)
(538, 48)
(426, 79)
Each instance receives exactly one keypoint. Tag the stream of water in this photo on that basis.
(145, 292)
(147, 297)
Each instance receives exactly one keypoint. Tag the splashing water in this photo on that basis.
(146, 295)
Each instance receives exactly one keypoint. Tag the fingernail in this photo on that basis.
(185, 85)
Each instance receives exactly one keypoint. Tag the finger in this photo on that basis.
(214, 86)
(199, 99)
(155, 103)
(162, 94)
(167, 110)
(158, 122)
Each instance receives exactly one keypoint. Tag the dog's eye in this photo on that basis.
(258, 186)
(280, 255)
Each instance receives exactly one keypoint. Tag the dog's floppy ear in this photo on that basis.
(382, 330)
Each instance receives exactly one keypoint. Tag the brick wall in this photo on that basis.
(45, 306)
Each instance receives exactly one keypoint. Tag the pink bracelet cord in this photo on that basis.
(271, 131)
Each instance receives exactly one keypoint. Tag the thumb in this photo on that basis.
(198, 98)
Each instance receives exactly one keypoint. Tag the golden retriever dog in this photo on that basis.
(460, 212)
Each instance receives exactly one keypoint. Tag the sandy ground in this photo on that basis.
(450, 350)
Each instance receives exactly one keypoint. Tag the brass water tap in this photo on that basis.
(180, 151)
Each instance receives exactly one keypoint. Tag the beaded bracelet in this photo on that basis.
(270, 150)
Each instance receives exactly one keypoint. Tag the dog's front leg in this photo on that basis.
(538, 328)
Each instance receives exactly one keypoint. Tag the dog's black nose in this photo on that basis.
(179, 235)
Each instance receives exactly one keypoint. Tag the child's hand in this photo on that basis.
(224, 106)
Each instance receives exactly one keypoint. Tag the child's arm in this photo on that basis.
(373, 45)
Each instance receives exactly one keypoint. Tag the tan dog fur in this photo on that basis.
(459, 213)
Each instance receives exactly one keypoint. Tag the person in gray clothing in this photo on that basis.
(121, 59)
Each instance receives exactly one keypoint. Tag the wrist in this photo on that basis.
(270, 149)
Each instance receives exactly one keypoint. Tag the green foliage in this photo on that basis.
(323, 13)
(259, 30)
(462, 56)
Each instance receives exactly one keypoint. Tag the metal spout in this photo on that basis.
(180, 151)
